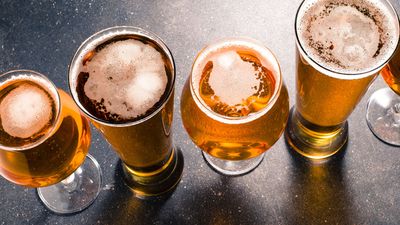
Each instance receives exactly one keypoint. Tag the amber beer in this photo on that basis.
(341, 47)
(234, 105)
(391, 72)
(123, 79)
(43, 137)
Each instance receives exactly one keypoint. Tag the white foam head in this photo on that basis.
(25, 110)
(347, 36)
(237, 74)
(128, 76)
(232, 79)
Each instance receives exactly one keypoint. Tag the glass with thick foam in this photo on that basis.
(44, 141)
(341, 47)
(234, 104)
(123, 79)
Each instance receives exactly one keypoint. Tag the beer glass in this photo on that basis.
(383, 110)
(341, 47)
(44, 141)
(123, 79)
(234, 104)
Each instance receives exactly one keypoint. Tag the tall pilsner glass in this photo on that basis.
(341, 47)
(123, 79)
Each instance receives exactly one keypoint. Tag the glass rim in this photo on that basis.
(243, 119)
(112, 32)
(52, 88)
(341, 75)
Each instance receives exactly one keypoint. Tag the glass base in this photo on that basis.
(383, 116)
(76, 192)
(233, 168)
(312, 141)
(156, 183)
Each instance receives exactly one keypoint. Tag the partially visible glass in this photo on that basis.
(383, 110)
(234, 104)
(44, 141)
(133, 72)
(341, 47)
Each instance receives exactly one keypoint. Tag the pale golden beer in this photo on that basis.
(324, 100)
(40, 144)
(123, 79)
(391, 72)
(341, 47)
(234, 105)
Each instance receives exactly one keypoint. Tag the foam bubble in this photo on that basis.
(232, 79)
(348, 35)
(128, 76)
(25, 110)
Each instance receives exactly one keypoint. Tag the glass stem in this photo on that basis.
(396, 114)
(71, 183)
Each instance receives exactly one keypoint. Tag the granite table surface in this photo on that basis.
(359, 186)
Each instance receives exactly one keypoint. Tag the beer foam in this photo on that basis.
(232, 79)
(25, 110)
(126, 78)
(348, 36)
(236, 78)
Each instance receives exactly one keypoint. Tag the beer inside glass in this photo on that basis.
(44, 141)
(341, 47)
(123, 79)
(234, 104)
(383, 111)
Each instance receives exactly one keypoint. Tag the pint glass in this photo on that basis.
(341, 47)
(123, 79)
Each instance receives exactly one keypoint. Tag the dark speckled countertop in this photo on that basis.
(360, 186)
